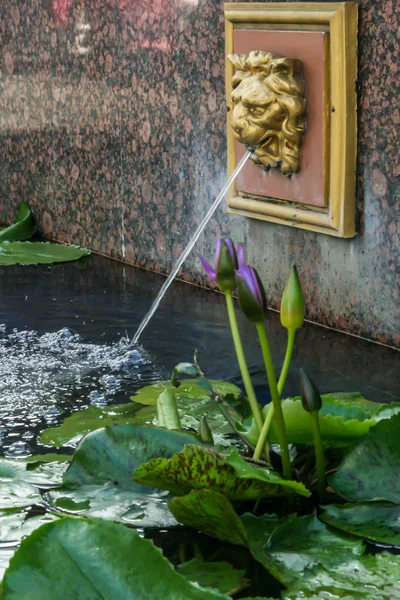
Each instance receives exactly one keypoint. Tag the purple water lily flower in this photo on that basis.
(225, 263)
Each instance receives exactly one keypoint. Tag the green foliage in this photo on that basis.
(343, 419)
(189, 389)
(113, 453)
(38, 253)
(203, 468)
(94, 560)
(218, 575)
(370, 470)
(377, 521)
(23, 227)
(81, 422)
(211, 513)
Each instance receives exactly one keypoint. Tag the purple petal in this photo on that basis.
(208, 268)
(231, 249)
(218, 245)
(249, 278)
(240, 255)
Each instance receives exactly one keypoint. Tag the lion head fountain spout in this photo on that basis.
(269, 108)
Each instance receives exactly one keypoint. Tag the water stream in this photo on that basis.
(189, 248)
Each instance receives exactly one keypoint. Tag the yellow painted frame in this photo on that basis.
(340, 20)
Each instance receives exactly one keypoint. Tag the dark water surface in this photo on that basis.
(65, 345)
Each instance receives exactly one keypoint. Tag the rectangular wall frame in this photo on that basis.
(336, 213)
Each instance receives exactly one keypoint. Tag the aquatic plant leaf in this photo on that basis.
(369, 471)
(344, 418)
(22, 228)
(94, 560)
(218, 575)
(246, 470)
(39, 473)
(113, 453)
(38, 253)
(81, 422)
(211, 513)
(188, 389)
(365, 577)
(377, 521)
(113, 503)
(299, 543)
(14, 526)
(198, 467)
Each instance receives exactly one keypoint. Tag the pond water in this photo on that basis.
(64, 345)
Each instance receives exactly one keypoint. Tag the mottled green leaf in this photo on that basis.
(370, 471)
(377, 521)
(218, 575)
(246, 470)
(92, 559)
(211, 513)
(113, 453)
(203, 468)
(23, 227)
(35, 253)
(74, 427)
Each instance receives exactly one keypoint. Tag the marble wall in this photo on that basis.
(112, 125)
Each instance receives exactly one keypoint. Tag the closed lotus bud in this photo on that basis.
(225, 263)
(310, 397)
(205, 431)
(292, 307)
(167, 411)
(251, 294)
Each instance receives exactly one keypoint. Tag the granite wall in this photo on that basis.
(112, 125)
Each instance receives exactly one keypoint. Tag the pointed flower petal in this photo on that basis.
(208, 268)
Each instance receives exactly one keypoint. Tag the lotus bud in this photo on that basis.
(225, 263)
(310, 398)
(292, 307)
(251, 294)
(205, 431)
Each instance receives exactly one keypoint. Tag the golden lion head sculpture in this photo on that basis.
(269, 108)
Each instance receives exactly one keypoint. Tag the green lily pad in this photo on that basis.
(39, 253)
(14, 526)
(22, 228)
(370, 470)
(81, 422)
(111, 454)
(344, 419)
(377, 521)
(94, 559)
(218, 575)
(198, 467)
(39, 473)
(361, 578)
(298, 544)
(188, 389)
(211, 513)
(113, 503)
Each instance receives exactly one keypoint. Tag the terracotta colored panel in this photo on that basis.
(306, 186)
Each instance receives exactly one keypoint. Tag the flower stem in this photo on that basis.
(248, 384)
(281, 382)
(319, 454)
(280, 423)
